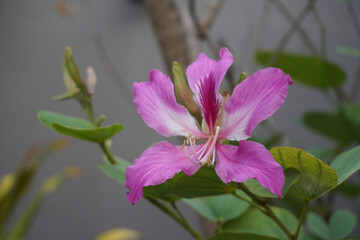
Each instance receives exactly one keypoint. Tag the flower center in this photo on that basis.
(203, 154)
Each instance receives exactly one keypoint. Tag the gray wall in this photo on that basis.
(32, 40)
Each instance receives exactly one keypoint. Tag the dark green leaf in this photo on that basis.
(204, 182)
(219, 208)
(316, 177)
(240, 236)
(78, 127)
(256, 222)
(312, 71)
(349, 189)
(331, 125)
(346, 164)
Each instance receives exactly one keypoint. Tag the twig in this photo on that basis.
(302, 33)
(203, 34)
(176, 217)
(200, 29)
(211, 13)
(355, 21)
(103, 53)
(341, 95)
(110, 67)
(290, 32)
(353, 16)
(267, 210)
(302, 217)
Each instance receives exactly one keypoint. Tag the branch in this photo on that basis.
(302, 33)
(307, 9)
(203, 34)
(170, 32)
(211, 13)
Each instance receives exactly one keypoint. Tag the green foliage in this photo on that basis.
(316, 177)
(256, 222)
(78, 127)
(240, 236)
(205, 182)
(349, 189)
(50, 185)
(16, 184)
(346, 164)
(343, 125)
(341, 224)
(291, 177)
(117, 172)
(350, 52)
(312, 71)
(219, 208)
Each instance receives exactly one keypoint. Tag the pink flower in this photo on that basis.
(224, 117)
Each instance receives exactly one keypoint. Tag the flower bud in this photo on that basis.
(90, 80)
(182, 90)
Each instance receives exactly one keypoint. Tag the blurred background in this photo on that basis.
(118, 40)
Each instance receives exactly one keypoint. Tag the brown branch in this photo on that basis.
(203, 34)
(302, 33)
(307, 9)
(211, 13)
(170, 32)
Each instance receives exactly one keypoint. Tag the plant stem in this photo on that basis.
(302, 217)
(177, 217)
(250, 202)
(108, 153)
(267, 210)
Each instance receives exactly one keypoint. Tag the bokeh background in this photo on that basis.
(33, 35)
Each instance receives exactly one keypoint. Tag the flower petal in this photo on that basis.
(157, 164)
(204, 77)
(156, 104)
(254, 100)
(249, 160)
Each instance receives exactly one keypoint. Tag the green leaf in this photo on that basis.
(349, 189)
(78, 127)
(346, 164)
(332, 125)
(312, 71)
(240, 236)
(318, 225)
(99, 134)
(256, 222)
(65, 96)
(316, 177)
(219, 208)
(342, 223)
(117, 172)
(350, 52)
(205, 182)
(50, 185)
(291, 177)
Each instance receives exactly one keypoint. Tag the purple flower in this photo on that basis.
(224, 117)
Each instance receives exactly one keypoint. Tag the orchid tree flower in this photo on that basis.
(224, 117)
